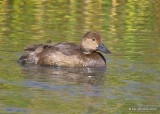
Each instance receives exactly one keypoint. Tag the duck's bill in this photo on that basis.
(103, 49)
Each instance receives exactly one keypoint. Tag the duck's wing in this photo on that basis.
(67, 48)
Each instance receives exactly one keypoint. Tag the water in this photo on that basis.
(129, 83)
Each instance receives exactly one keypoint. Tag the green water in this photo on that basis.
(129, 84)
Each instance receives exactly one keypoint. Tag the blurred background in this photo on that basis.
(130, 30)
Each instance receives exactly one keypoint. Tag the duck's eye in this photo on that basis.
(93, 39)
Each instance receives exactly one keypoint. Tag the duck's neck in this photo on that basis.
(84, 50)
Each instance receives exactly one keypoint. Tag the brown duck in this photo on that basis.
(68, 54)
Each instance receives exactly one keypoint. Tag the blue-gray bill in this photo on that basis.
(103, 49)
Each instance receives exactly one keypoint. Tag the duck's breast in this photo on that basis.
(95, 60)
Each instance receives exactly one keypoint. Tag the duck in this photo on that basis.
(66, 54)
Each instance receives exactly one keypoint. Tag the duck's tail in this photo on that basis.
(22, 59)
(31, 52)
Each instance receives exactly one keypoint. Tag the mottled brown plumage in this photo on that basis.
(68, 54)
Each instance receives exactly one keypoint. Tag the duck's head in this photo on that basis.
(91, 42)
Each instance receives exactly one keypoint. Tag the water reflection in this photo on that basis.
(93, 76)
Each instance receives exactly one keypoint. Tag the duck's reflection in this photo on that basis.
(93, 76)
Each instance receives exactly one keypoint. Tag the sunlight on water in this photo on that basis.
(128, 84)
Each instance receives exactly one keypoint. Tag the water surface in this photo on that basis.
(129, 83)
